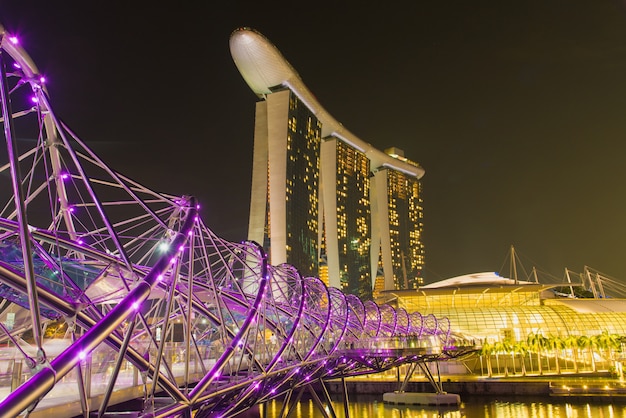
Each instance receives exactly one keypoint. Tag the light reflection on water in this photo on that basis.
(476, 407)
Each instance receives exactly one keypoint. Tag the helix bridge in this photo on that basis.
(112, 292)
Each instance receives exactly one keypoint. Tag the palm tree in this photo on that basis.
(487, 350)
(507, 345)
(603, 342)
(536, 343)
(530, 356)
(521, 348)
(609, 342)
(621, 340)
(571, 342)
(556, 344)
(502, 347)
(588, 343)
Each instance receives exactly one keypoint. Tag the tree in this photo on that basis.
(571, 342)
(486, 351)
(536, 343)
(521, 348)
(556, 344)
(502, 347)
(587, 343)
(609, 342)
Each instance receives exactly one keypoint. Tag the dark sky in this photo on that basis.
(516, 110)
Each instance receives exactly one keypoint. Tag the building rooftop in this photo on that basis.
(265, 70)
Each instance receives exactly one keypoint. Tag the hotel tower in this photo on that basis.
(322, 199)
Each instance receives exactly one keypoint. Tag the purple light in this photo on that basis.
(16, 65)
(42, 79)
(80, 242)
(71, 209)
(135, 306)
(65, 176)
(216, 374)
(82, 355)
(34, 99)
(160, 277)
(173, 260)
(13, 40)
(181, 248)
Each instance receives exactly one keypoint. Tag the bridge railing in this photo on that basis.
(430, 343)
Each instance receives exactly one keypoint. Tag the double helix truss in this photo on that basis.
(111, 291)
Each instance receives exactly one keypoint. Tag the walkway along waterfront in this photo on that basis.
(598, 387)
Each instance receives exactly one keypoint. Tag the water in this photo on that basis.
(472, 407)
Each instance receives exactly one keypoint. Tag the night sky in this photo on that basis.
(516, 110)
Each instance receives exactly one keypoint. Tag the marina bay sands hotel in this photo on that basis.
(322, 199)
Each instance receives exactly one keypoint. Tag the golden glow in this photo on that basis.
(405, 229)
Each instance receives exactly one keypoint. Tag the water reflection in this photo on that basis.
(404, 411)
(547, 409)
(475, 407)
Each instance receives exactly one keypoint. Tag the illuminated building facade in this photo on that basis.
(490, 308)
(399, 213)
(347, 216)
(322, 199)
(286, 181)
(548, 330)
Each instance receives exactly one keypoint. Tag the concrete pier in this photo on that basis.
(417, 398)
(464, 387)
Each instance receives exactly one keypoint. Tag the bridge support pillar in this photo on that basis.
(436, 383)
(346, 402)
(407, 377)
(327, 399)
(325, 406)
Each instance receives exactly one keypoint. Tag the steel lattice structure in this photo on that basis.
(132, 285)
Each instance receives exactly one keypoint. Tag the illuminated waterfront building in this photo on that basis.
(491, 308)
(323, 199)
(539, 327)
